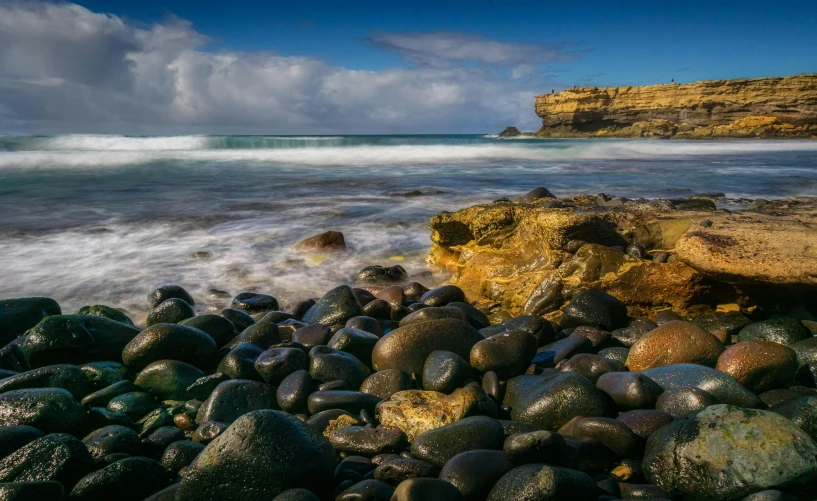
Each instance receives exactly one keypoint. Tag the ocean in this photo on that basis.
(90, 219)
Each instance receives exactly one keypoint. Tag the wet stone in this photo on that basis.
(445, 371)
(170, 311)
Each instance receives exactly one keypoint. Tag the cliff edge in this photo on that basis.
(762, 107)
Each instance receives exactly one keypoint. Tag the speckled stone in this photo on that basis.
(725, 453)
(759, 365)
(674, 343)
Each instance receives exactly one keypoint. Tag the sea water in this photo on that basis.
(104, 219)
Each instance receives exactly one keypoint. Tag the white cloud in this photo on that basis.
(64, 68)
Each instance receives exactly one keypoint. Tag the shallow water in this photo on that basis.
(90, 219)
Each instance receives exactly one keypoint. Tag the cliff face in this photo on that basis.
(761, 107)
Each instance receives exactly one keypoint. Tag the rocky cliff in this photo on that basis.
(532, 255)
(761, 107)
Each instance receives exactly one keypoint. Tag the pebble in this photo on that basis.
(169, 342)
(445, 371)
(675, 342)
(441, 444)
(759, 365)
(475, 472)
(507, 354)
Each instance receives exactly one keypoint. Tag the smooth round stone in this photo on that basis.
(550, 402)
(168, 379)
(475, 472)
(100, 398)
(204, 386)
(232, 399)
(169, 342)
(473, 315)
(684, 401)
(630, 390)
(398, 313)
(264, 334)
(381, 274)
(335, 307)
(629, 335)
(414, 290)
(674, 343)
(590, 366)
(806, 351)
(130, 479)
(384, 384)
(251, 302)
(445, 371)
(730, 322)
(158, 440)
(299, 494)
(378, 309)
(58, 457)
(180, 454)
(595, 309)
(393, 294)
(293, 391)
(367, 490)
(426, 489)
(689, 456)
(276, 364)
(507, 354)
(350, 401)
(613, 434)
(327, 364)
(665, 316)
(534, 447)
(239, 362)
(367, 441)
(13, 437)
(170, 311)
(219, 328)
(100, 417)
(597, 337)
(546, 296)
(443, 295)
(718, 384)
(259, 456)
(785, 331)
(562, 349)
(31, 491)
(771, 495)
(238, 318)
(642, 491)
(354, 468)
(20, 314)
(759, 365)
(312, 335)
(492, 386)
(367, 324)
(539, 482)
(616, 354)
(802, 411)
(776, 397)
(166, 494)
(541, 329)
(65, 376)
(52, 410)
(60, 339)
(208, 431)
(432, 313)
(104, 374)
(407, 348)
(112, 440)
(299, 309)
(165, 292)
(355, 342)
(441, 444)
(399, 469)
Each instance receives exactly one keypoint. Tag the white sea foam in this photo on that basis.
(103, 151)
(90, 142)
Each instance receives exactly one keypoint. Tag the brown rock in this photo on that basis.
(414, 412)
(675, 342)
(759, 365)
(328, 241)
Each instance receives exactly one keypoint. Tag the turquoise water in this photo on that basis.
(89, 219)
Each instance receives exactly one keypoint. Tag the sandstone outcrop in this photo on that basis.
(531, 258)
(761, 107)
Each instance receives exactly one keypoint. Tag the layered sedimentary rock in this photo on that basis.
(531, 258)
(761, 107)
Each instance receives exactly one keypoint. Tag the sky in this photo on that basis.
(357, 67)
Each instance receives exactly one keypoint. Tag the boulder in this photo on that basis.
(261, 455)
(726, 453)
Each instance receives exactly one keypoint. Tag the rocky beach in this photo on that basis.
(584, 348)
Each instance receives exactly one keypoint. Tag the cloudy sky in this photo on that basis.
(150, 67)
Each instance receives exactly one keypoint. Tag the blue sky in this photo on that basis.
(365, 67)
(628, 43)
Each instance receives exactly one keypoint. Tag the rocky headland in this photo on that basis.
(587, 349)
(741, 108)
